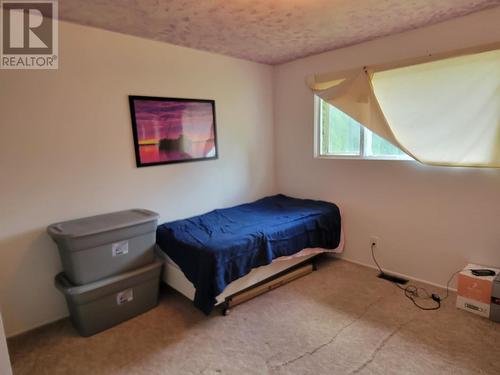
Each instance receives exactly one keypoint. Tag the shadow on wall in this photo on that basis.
(29, 262)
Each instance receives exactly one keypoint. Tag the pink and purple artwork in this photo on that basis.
(171, 130)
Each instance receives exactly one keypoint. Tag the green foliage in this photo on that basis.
(380, 147)
(341, 135)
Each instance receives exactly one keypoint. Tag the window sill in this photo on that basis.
(347, 157)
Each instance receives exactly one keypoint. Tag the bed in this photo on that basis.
(215, 255)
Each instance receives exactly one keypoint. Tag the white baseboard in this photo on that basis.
(37, 325)
(397, 273)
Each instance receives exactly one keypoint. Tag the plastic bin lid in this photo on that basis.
(65, 286)
(101, 223)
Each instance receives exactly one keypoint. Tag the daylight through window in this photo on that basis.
(341, 136)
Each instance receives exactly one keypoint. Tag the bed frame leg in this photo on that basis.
(225, 308)
(314, 265)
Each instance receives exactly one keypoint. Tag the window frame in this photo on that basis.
(363, 141)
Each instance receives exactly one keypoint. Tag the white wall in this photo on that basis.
(5, 368)
(431, 220)
(66, 150)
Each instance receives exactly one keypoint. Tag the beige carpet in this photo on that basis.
(338, 320)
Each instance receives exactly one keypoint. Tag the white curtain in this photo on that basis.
(443, 112)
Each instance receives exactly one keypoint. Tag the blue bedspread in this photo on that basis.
(221, 246)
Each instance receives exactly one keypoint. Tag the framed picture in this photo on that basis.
(172, 130)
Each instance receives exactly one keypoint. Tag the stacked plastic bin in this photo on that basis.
(111, 270)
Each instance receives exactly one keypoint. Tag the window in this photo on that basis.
(339, 135)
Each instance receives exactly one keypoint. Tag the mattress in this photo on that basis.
(174, 277)
(216, 248)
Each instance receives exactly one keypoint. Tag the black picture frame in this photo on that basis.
(170, 144)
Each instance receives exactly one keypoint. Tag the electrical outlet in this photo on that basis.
(375, 240)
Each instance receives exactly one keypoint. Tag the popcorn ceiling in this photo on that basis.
(266, 31)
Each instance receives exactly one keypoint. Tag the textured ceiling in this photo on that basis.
(267, 31)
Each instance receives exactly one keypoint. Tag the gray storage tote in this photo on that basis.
(102, 304)
(97, 247)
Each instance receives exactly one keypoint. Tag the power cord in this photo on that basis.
(413, 292)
